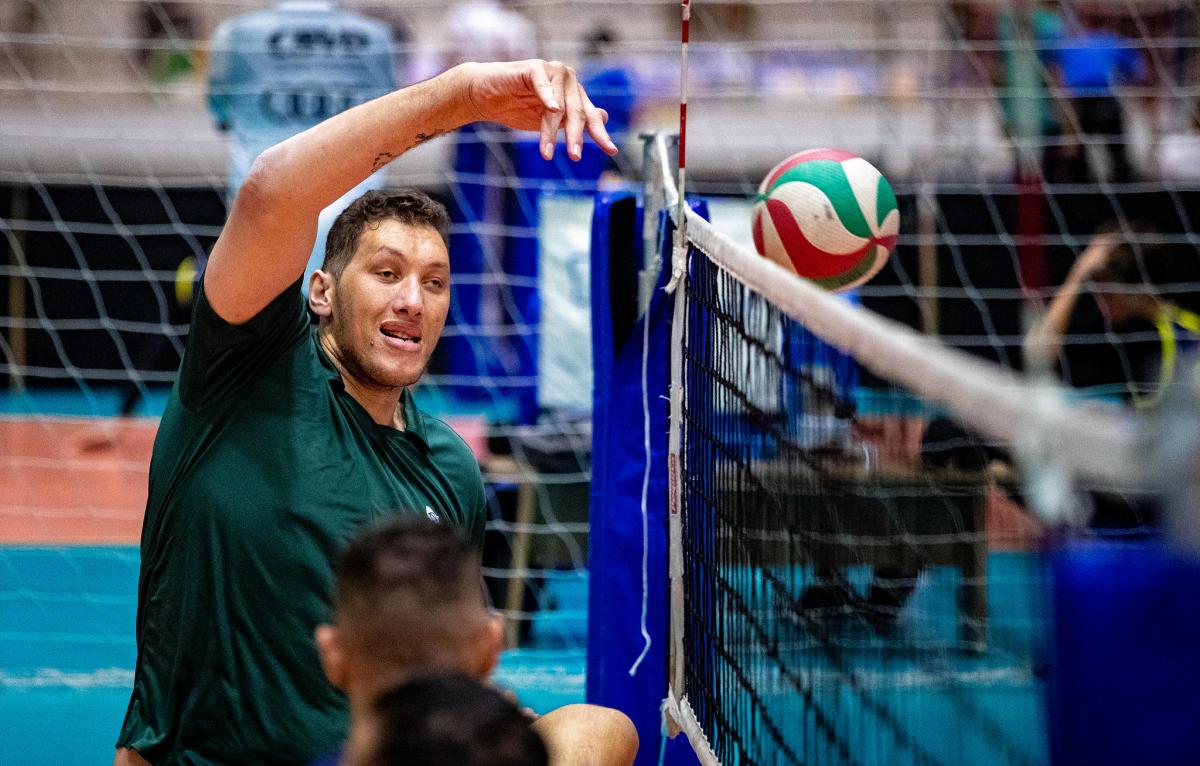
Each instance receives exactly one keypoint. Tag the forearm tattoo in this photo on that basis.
(423, 137)
(384, 158)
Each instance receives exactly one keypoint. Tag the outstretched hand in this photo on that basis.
(541, 96)
(1095, 256)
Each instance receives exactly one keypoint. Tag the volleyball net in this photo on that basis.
(856, 515)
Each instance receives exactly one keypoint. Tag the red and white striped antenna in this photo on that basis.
(686, 10)
(679, 254)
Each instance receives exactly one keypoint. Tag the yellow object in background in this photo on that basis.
(185, 280)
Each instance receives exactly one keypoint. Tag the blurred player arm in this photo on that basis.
(273, 224)
(1044, 341)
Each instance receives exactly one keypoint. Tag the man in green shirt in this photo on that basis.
(278, 442)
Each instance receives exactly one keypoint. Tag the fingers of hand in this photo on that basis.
(596, 120)
(542, 85)
(551, 120)
(566, 105)
(575, 117)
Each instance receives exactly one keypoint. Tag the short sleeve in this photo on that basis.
(220, 358)
(479, 514)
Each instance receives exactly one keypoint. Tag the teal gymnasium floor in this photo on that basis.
(67, 631)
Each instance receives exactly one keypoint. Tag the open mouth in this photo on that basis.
(407, 339)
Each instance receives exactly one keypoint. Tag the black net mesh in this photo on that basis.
(857, 590)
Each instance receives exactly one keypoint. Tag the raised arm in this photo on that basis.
(1044, 341)
(271, 229)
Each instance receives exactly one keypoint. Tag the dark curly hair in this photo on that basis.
(406, 206)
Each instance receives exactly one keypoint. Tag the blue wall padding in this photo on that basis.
(1125, 671)
(614, 638)
(535, 175)
(467, 354)
(618, 463)
(502, 190)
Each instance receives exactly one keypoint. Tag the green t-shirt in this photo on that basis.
(263, 468)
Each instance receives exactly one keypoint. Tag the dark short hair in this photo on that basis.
(411, 553)
(1135, 260)
(401, 589)
(1128, 264)
(453, 720)
(406, 206)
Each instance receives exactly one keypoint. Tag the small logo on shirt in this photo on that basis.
(432, 514)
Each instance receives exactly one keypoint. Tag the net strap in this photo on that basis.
(658, 177)
(678, 709)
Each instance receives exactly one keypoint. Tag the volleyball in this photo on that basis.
(827, 215)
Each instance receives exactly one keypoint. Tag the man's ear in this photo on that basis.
(320, 293)
(490, 644)
(333, 654)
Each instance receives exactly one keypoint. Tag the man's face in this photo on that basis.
(389, 306)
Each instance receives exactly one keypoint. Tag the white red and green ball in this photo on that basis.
(827, 215)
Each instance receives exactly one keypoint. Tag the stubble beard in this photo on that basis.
(359, 366)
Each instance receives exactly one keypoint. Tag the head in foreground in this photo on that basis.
(408, 601)
(449, 720)
(383, 291)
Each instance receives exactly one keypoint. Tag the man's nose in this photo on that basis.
(408, 297)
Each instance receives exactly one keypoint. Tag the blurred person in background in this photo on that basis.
(1115, 289)
(276, 72)
(1093, 61)
(1114, 330)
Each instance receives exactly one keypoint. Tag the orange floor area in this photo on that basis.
(82, 481)
(75, 481)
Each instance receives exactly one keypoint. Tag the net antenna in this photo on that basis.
(679, 251)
